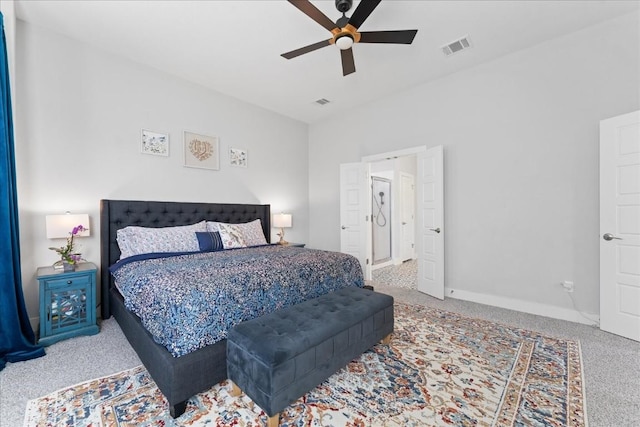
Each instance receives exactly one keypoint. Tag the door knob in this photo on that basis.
(343, 227)
(404, 223)
(609, 236)
(437, 230)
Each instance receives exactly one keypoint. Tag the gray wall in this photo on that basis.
(520, 136)
(79, 115)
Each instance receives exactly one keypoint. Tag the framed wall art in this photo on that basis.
(155, 143)
(238, 157)
(201, 151)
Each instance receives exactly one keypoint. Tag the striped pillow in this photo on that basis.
(209, 241)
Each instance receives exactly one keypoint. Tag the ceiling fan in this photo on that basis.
(345, 30)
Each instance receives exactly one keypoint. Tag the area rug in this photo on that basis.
(441, 369)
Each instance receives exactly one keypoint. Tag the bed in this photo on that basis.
(182, 374)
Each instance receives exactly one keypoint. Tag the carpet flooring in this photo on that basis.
(611, 367)
(440, 369)
(404, 275)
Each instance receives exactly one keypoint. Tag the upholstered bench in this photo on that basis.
(277, 358)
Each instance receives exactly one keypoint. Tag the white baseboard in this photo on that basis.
(539, 309)
(381, 265)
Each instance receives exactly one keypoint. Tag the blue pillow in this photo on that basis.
(209, 241)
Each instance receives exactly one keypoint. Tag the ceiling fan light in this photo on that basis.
(344, 42)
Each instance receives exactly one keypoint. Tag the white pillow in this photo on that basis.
(135, 240)
(213, 226)
(252, 233)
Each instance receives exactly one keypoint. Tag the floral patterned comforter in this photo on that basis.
(191, 300)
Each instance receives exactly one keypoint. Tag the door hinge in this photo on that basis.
(367, 261)
(413, 246)
(366, 218)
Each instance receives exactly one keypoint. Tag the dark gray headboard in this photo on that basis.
(116, 214)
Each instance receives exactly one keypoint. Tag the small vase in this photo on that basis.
(68, 267)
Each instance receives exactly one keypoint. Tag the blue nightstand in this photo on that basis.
(67, 303)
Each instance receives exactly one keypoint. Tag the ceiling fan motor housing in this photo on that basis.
(343, 5)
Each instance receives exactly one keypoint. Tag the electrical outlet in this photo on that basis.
(567, 285)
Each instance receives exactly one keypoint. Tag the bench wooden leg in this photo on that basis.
(235, 390)
(386, 340)
(274, 421)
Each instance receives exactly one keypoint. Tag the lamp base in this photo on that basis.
(282, 241)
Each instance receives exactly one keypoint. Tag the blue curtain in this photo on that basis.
(16, 335)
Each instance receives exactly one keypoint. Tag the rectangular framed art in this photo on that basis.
(238, 157)
(155, 143)
(201, 151)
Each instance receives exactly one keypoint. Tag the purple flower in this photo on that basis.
(67, 252)
(80, 228)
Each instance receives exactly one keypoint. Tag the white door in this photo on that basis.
(407, 216)
(620, 225)
(430, 224)
(354, 194)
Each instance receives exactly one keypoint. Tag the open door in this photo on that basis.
(407, 214)
(354, 213)
(620, 225)
(430, 224)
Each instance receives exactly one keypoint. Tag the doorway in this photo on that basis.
(356, 209)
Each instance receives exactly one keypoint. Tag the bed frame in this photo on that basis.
(179, 378)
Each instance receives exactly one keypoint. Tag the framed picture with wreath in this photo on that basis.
(201, 151)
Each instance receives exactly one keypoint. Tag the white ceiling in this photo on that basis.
(234, 46)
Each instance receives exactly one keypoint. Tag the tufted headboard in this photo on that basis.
(117, 214)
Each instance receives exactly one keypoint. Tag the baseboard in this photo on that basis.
(381, 265)
(539, 309)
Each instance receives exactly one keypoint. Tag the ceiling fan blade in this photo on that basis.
(398, 37)
(348, 63)
(314, 13)
(306, 49)
(362, 12)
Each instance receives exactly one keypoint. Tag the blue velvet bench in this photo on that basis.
(277, 358)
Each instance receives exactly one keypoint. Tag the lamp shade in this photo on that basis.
(282, 220)
(59, 226)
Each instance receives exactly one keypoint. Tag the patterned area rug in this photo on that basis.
(441, 369)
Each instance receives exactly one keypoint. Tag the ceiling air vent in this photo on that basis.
(456, 46)
(322, 101)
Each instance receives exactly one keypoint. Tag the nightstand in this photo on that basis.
(67, 303)
(295, 245)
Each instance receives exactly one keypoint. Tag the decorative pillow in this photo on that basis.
(231, 236)
(209, 241)
(252, 233)
(213, 226)
(134, 240)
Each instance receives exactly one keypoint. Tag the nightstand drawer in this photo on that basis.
(63, 283)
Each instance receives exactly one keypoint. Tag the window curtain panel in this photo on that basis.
(16, 335)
